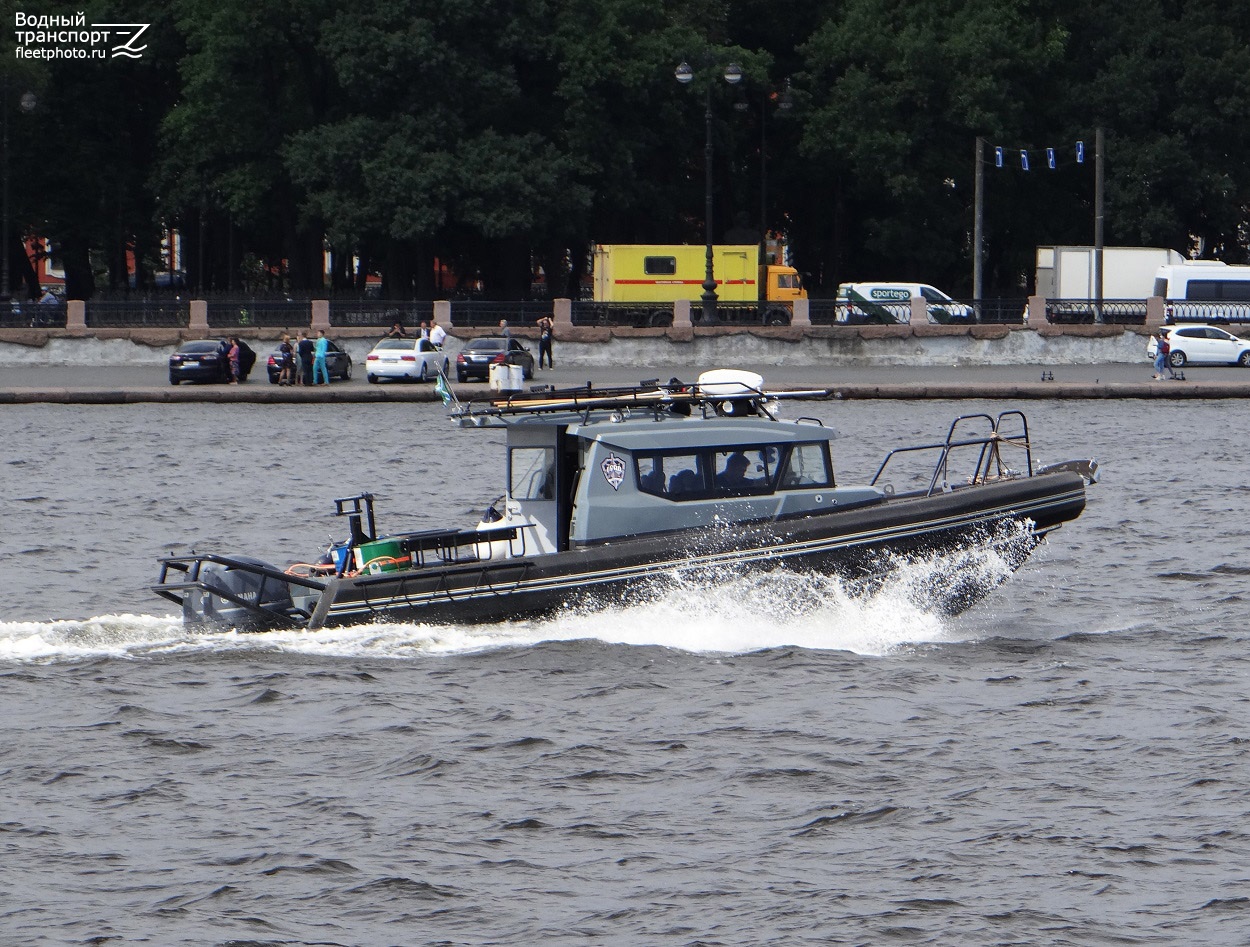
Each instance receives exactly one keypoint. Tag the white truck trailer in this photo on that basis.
(1127, 272)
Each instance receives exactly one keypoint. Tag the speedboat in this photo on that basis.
(607, 491)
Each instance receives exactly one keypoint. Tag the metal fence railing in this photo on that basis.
(1010, 310)
(1196, 310)
(1089, 311)
(379, 313)
(998, 311)
(248, 313)
(139, 313)
(478, 313)
(32, 315)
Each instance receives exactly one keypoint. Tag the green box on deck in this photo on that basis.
(385, 555)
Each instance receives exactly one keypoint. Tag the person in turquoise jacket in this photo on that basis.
(320, 348)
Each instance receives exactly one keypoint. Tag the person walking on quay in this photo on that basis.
(320, 350)
(287, 367)
(546, 332)
(437, 334)
(233, 355)
(1162, 350)
(505, 332)
(397, 332)
(305, 352)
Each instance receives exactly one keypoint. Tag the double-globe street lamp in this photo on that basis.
(28, 105)
(732, 75)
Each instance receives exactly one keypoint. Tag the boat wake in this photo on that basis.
(905, 603)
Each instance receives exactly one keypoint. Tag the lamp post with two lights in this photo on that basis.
(732, 75)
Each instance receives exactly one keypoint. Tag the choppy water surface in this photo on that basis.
(765, 761)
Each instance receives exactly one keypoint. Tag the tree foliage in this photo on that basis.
(504, 135)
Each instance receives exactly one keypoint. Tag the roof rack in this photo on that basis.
(724, 392)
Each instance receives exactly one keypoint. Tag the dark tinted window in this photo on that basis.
(1215, 289)
(659, 265)
(199, 347)
(486, 345)
(708, 474)
(1202, 289)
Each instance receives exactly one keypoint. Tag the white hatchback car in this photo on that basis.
(406, 360)
(1201, 345)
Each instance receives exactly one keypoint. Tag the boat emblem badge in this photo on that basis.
(613, 471)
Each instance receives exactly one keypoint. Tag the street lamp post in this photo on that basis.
(732, 75)
(28, 105)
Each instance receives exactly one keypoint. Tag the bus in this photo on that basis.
(1204, 291)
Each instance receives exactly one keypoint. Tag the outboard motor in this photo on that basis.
(253, 588)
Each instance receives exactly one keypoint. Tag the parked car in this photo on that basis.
(406, 360)
(1201, 345)
(475, 360)
(891, 302)
(338, 363)
(206, 360)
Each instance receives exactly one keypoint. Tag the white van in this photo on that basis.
(891, 302)
(1204, 291)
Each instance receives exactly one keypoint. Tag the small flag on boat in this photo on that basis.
(1080, 152)
(442, 389)
(1024, 160)
(1050, 158)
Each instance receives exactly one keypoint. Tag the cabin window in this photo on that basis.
(789, 281)
(807, 466)
(677, 476)
(732, 471)
(532, 473)
(745, 470)
(659, 265)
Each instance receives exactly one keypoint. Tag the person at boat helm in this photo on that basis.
(733, 477)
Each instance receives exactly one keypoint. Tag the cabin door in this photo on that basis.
(533, 492)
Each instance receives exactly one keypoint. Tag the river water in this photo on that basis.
(1064, 764)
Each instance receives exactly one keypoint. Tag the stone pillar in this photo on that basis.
(562, 313)
(320, 315)
(681, 314)
(919, 312)
(1037, 310)
(802, 313)
(442, 314)
(1156, 311)
(76, 316)
(198, 326)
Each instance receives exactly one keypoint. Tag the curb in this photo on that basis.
(390, 394)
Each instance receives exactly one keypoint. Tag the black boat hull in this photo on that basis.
(850, 543)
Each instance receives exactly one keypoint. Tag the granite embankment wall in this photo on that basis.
(917, 345)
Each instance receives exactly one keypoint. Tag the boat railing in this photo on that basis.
(181, 575)
(437, 547)
(988, 449)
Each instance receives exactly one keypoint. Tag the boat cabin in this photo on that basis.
(575, 480)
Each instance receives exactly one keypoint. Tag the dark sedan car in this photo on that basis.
(206, 360)
(338, 363)
(475, 360)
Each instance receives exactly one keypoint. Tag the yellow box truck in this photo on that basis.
(646, 274)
